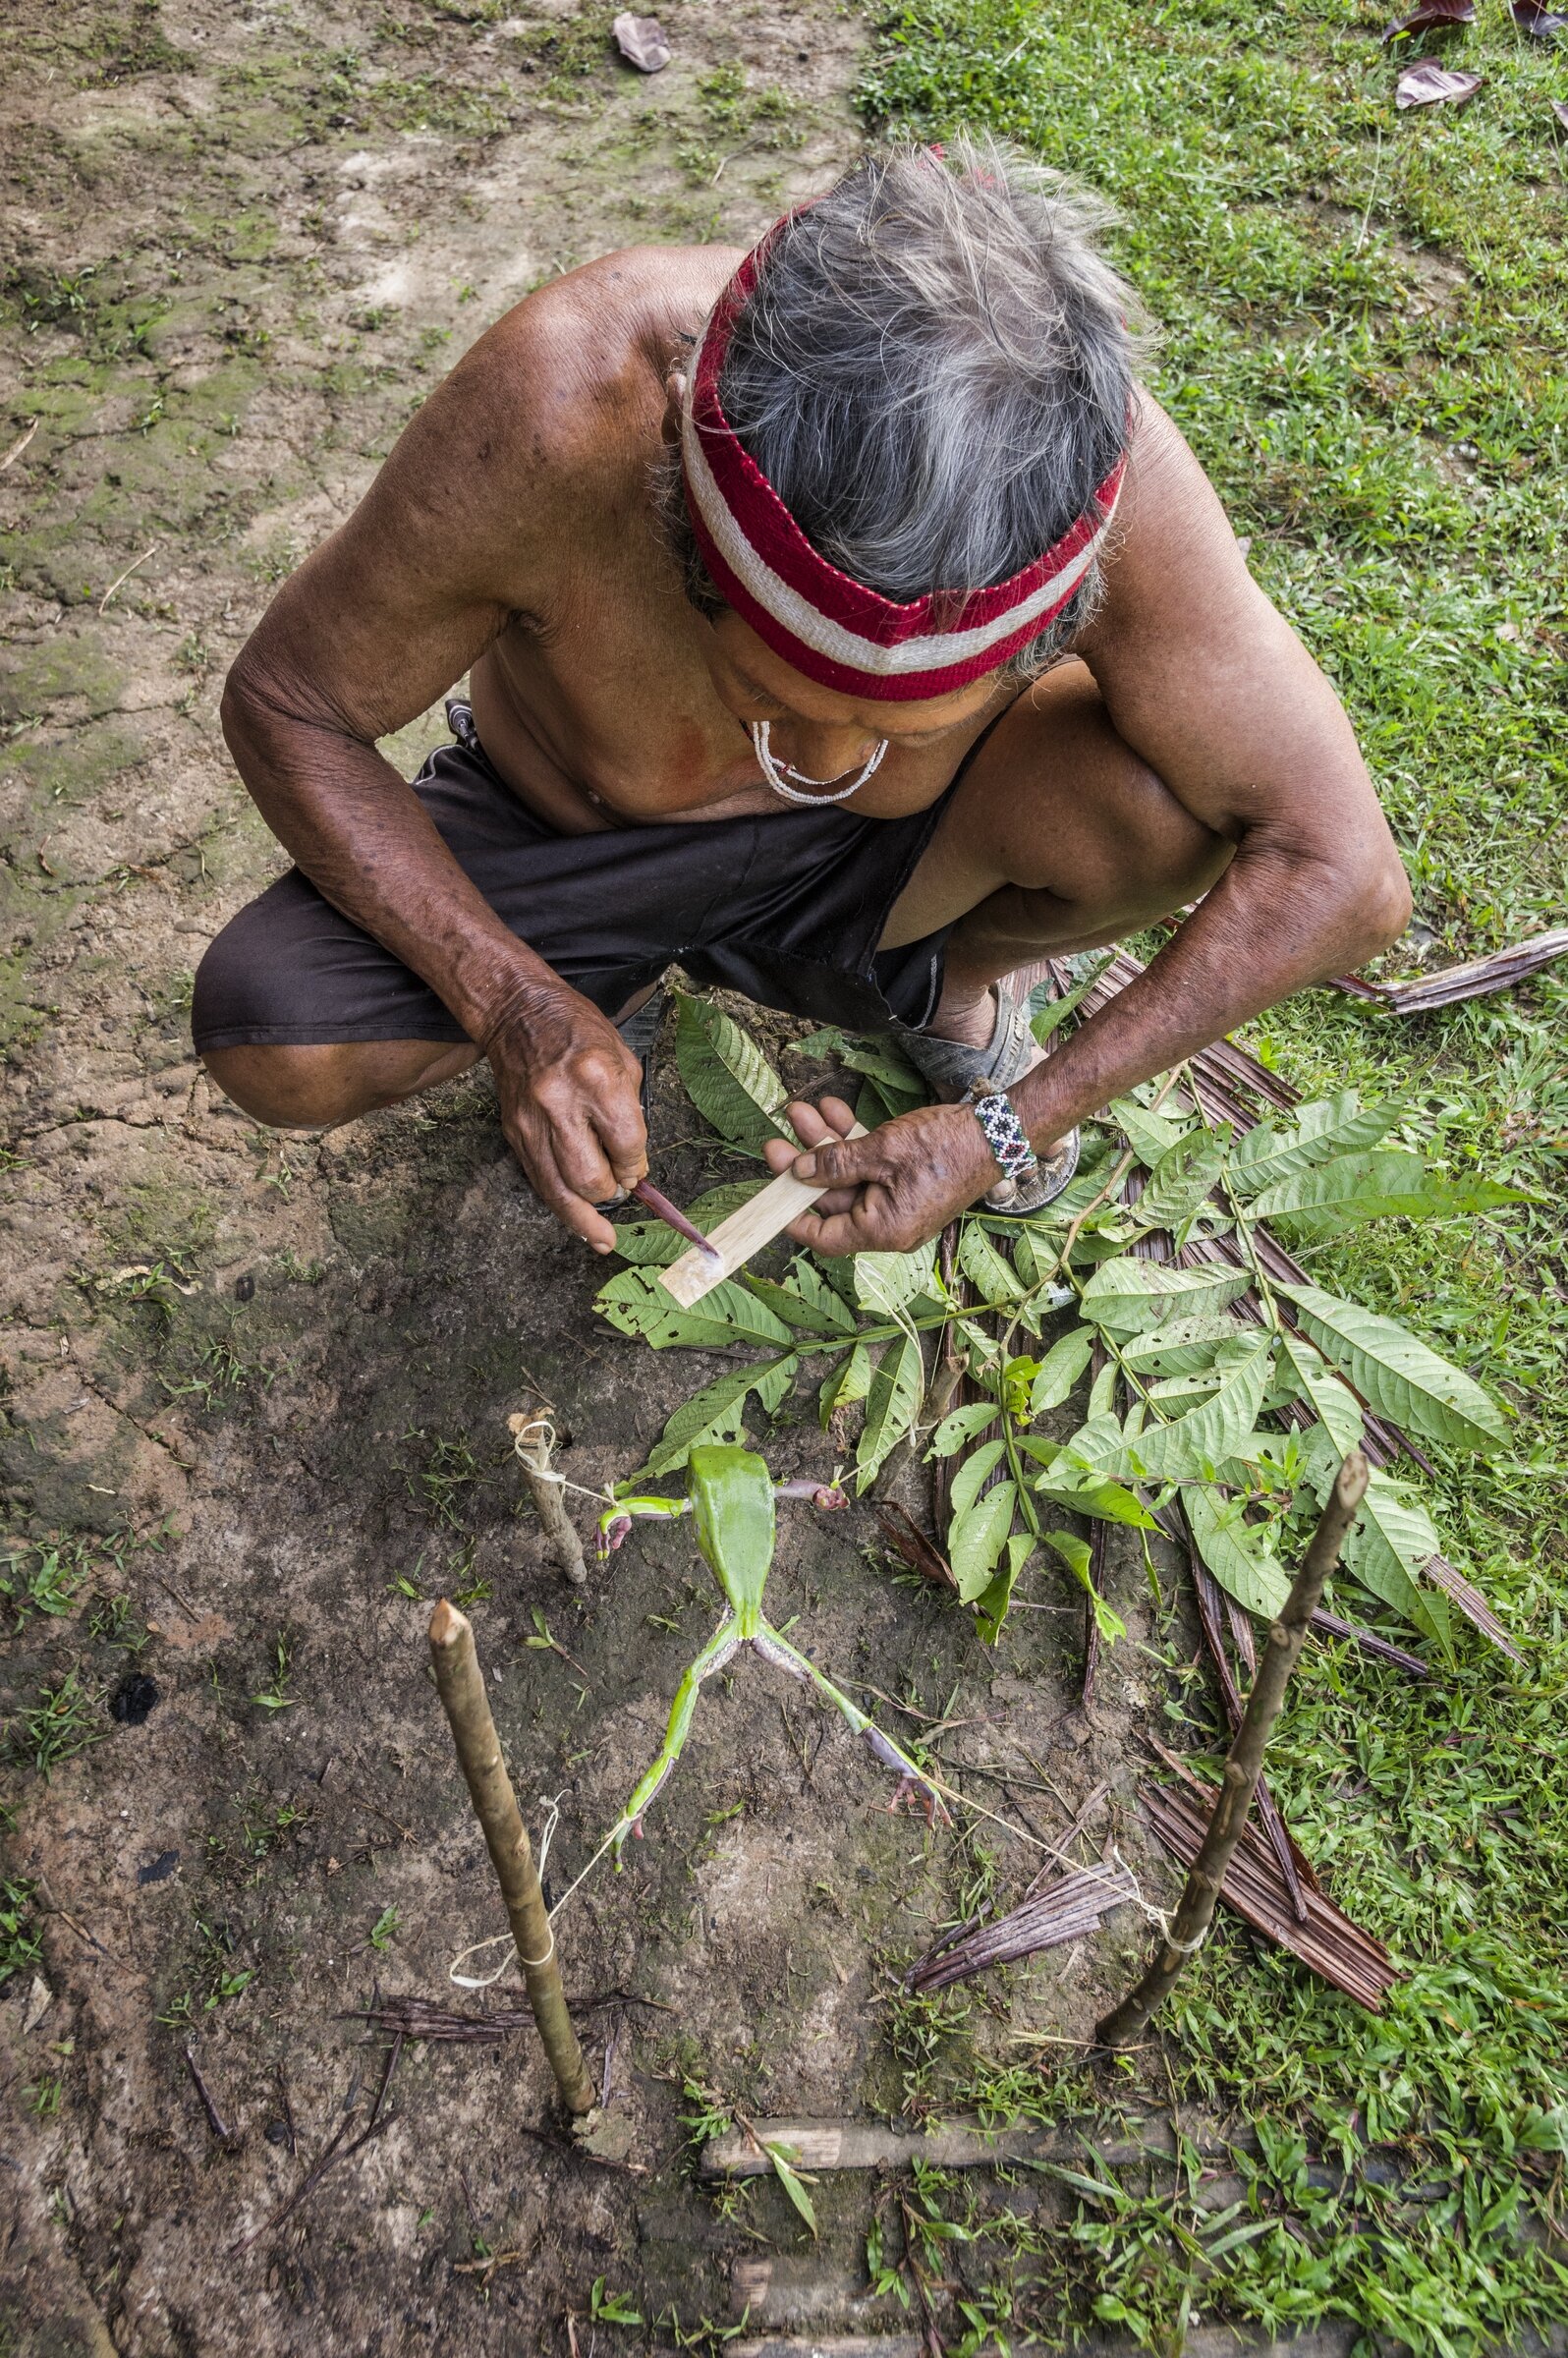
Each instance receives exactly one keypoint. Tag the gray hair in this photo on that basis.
(936, 373)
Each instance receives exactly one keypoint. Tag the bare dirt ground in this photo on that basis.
(257, 1386)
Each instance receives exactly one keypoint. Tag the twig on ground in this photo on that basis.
(467, 1709)
(1066, 1911)
(215, 2120)
(1195, 1911)
(333, 2151)
(120, 581)
(18, 446)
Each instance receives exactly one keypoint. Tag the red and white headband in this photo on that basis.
(821, 622)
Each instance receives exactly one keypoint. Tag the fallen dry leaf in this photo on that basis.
(907, 1540)
(1559, 107)
(1434, 16)
(1427, 84)
(1328, 1943)
(1540, 23)
(1070, 1908)
(642, 43)
(1499, 971)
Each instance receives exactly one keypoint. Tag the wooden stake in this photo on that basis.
(733, 1242)
(461, 1683)
(1196, 1909)
(531, 1437)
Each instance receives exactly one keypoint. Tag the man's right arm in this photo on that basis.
(374, 626)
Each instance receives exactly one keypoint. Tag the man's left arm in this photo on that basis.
(1210, 687)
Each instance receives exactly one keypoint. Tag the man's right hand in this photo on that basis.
(571, 1104)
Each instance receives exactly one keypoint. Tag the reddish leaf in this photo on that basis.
(1434, 16)
(1540, 21)
(642, 43)
(1427, 84)
(906, 1537)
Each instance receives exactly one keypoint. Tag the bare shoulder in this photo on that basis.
(561, 379)
(1173, 557)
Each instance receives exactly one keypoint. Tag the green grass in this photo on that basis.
(1361, 326)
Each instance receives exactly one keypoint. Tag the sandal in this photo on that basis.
(956, 1071)
(640, 1031)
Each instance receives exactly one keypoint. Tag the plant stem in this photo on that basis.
(1286, 1638)
(461, 1685)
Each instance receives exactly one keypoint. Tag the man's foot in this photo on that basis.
(994, 1048)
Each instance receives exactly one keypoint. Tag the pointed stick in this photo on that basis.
(461, 1684)
(1196, 1909)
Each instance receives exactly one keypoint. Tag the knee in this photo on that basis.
(286, 1088)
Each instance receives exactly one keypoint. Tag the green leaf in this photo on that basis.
(849, 1382)
(1094, 1494)
(636, 1304)
(714, 1414)
(1181, 1181)
(791, 2180)
(1099, 1441)
(653, 1245)
(1400, 1376)
(992, 1605)
(1074, 1555)
(1181, 1346)
(976, 1537)
(1047, 1014)
(1337, 1406)
(885, 1282)
(890, 1406)
(1181, 1450)
(1150, 1135)
(1330, 1196)
(880, 1059)
(1234, 1553)
(1060, 1369)
(727, 1076)
(1328, 1126)
(986, 1268)
(803, 1300)
(961, 1425)
(1389, 1542)
(1128, 1296)
(972, 1472)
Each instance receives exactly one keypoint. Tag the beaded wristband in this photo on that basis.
(1005, 1134)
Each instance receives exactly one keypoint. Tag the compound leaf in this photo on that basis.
(1243, 1567)
(890, 1405)
(727, 1076)
(1401, 1378)
(976, 1538)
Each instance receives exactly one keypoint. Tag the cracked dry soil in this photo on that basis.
(257, 1385)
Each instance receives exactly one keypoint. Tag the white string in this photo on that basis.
(534, 1455)
(464, 1981)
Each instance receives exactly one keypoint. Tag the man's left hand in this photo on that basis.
(894, 1189)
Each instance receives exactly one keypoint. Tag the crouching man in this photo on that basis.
(843, 623)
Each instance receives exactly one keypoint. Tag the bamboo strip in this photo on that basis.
(747, 1230)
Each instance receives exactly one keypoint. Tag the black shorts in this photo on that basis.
(787, 908)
